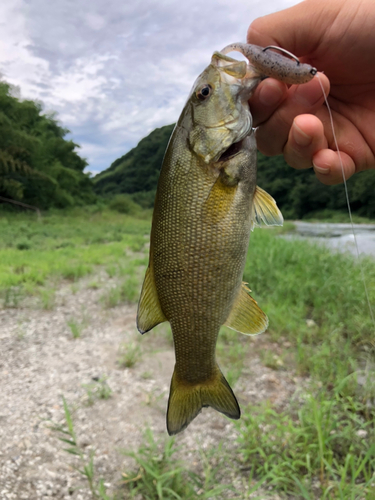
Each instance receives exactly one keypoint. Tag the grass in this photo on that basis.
(97, 389)
(161, 475)
(336, 217)
(129, 354)
(321, 446)
(126, 291)
(314, 298)
(60, 246)
(75, 328)
(66, 434)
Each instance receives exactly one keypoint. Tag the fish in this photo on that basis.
(207, 202)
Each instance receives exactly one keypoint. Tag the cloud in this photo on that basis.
(113, 70)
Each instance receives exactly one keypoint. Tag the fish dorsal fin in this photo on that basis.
(149, 311)
(265, 210)
(246, 316)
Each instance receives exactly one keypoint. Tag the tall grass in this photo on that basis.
(296, 280)
(324, 446)
(64, 246)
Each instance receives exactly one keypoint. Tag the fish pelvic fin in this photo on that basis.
(186, 400)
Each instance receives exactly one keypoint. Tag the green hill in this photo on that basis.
(297, 192)
(138, 170)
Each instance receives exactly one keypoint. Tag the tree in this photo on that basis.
(37, 165)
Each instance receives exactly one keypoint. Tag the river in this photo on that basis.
(338, 236)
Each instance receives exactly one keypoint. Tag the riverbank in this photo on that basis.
(68, 293)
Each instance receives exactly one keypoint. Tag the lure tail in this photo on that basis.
(186, 400)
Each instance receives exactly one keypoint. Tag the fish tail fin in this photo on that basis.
(186, 400)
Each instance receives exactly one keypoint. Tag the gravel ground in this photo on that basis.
(41, 362)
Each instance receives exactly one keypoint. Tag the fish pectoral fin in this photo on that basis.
(186, 400)
(246, 316)
(265, 210)
(219, 201)
(149, 310)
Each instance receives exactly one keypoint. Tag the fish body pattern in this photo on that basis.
(206, 204)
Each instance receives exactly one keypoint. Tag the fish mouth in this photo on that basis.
(232, 151)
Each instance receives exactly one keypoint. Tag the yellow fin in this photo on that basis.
(246, 316)
(149, 311)
(219, 202)
(186, 401)
(265, 210)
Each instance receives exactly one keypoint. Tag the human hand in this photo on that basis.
(336, 37)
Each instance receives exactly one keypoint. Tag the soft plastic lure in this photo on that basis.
(269, 63)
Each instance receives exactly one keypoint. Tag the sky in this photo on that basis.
(114, 70)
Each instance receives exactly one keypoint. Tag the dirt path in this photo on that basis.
(40, 361)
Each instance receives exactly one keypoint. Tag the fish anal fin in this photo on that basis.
(149, 310)
(186, 400)
(265, 210)
(246, 316)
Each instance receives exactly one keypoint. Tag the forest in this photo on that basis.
(40, 167)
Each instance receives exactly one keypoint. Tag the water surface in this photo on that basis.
(338, 236)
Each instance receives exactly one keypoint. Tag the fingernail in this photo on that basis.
(270, 94)
(321, 170)
(300, 137)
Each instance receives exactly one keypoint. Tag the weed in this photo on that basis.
(128, 354)
(47, 298)
(231, 353)
(97, 389)
(12, 297)
(162, 476)
(86, 459)
(94, 285)
(271, 360)
(111, 270)
(127, 291)
(75, 327)
(23, 244)
(316, 450)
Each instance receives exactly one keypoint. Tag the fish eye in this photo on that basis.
(204, 92)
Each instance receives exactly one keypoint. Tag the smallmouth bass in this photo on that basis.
(206, 204)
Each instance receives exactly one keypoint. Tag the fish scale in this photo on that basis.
(206, 204)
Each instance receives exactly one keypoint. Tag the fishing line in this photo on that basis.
(347, 201)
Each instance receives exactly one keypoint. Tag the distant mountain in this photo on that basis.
(297, 192)
(138, 170)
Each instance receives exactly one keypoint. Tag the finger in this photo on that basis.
(331, 167)
(265, 100)
(273, 134)
(298, 29)
(306, 138)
